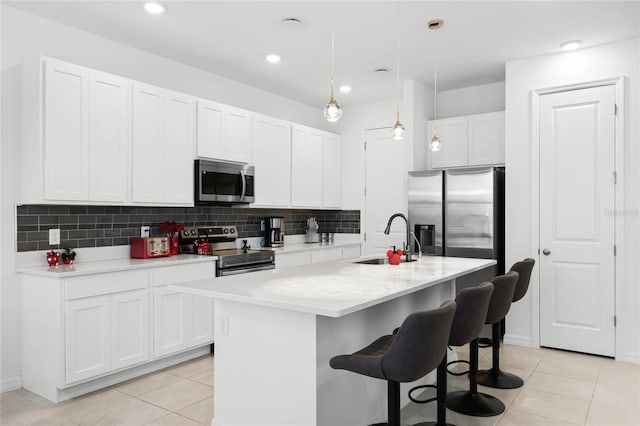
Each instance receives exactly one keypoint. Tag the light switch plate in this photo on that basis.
(54, 237)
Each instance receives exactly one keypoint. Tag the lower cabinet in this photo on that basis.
(106, 333)
(284, 260)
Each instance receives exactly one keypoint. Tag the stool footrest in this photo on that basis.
(485, 342)
(453, 373)
(419, 401)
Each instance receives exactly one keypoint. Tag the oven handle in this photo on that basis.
(244, 184)
(255, 262)
(245, 270)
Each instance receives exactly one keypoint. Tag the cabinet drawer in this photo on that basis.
(326, 255)
(183, 273)
(292, 259)
(95, 285)
(351, 252)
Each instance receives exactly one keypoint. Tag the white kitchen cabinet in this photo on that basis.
(332, 171)
(162, 146)
(486, 138)
(224, 132)
(351, 252)
(169, 321)
(85, 134)
(272, 161)
(472, 140)
(325, 254)
(453, 134)
(88, 337)
(306, 167)
(129, 328)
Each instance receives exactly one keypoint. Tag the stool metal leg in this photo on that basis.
(472, 402)
(393, 405)
(496, 378)
(441, 396)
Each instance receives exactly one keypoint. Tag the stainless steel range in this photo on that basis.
(221, 241)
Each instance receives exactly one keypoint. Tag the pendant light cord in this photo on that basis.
(435, 90)
(398, 59)
(333, 54)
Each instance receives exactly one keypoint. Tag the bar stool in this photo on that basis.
(419, 346)
(494, 377)
(472, 402)
(472, 304)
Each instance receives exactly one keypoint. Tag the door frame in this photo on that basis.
(619, 135)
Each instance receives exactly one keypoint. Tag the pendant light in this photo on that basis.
(398, 130)
(435, 143)
(332, 111)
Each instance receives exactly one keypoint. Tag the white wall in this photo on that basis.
(24, 37)
(522, 77)
(471, 100)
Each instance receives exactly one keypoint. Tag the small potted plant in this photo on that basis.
(68, 256)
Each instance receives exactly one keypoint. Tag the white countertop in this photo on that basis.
(113, 265)
(334, 289)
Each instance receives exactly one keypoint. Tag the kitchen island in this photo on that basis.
(277, 330)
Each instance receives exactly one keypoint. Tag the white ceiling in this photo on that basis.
(231, 38)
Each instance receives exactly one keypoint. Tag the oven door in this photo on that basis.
(223, 182)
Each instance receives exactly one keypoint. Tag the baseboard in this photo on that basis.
(512, 339)
(11, 384)
(631, 357)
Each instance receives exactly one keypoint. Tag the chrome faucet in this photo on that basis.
(407, 251)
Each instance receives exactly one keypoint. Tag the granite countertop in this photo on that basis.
(114, 265)
(334, 289)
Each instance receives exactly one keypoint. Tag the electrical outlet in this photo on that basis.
(224, 325)
(144, 231)
(54, 237)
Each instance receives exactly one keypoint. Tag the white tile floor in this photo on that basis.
(560, 388)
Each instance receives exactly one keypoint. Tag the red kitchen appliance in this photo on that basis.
(148, 247)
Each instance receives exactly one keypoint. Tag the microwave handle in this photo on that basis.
(244, 184)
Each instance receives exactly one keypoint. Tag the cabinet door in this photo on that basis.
(453, 134)
(272, 161)
(148, 150)
(332, 171)
(306, 167)
(169, 321)
(210, 141)
(238, 135)
(179, 149)
(486, 138)
(201, 320)
(87, 338)
(326, 255)
(66, 131)
(129, 328)
(351, 252)
(109, 110)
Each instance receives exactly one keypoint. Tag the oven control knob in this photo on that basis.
(226, 230)
(233, 230)
(193, 232)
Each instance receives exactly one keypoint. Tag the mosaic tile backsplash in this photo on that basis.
(99, 226)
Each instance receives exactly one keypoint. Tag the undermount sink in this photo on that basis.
(380, 261)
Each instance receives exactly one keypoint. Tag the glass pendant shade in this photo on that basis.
(435, 143)
(398, 131)
(332, 111)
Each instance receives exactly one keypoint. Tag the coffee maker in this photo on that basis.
(274, 231)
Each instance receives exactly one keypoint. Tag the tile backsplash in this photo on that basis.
(99, 226)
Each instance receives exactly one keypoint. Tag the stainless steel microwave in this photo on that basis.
(223, 182)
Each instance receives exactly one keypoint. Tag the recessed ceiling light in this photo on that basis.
(571, 45)
(381, 70)
(435, 24)
(344, 88)
(154, 8)
(292, 21)
(273, 58)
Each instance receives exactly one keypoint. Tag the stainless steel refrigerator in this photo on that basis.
(459, 212)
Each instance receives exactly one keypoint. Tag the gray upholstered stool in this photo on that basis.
(472, 402)
(494, 377)
(472, 304)
(417, 348)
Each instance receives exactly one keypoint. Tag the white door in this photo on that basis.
(129, 328)
(109, 110)
(385, 190)
(179, 149)
(169, 321)
(210, 132)
(66, 131)
(87, 338)
(577, 221)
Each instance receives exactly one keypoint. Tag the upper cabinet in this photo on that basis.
(306, 167)
(332, 171)
(162, 146)
(224, 132)
(272, 161)
(85, 134)
(469, 141)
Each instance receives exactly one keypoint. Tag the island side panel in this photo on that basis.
(346, 398)
(265, 366)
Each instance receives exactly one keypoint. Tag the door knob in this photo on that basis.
(546, 252)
